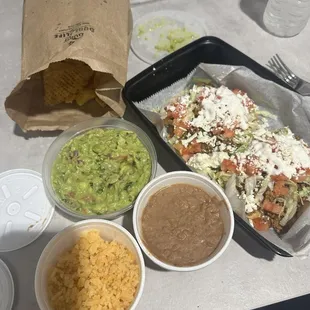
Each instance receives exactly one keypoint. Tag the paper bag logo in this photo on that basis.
(74, 32)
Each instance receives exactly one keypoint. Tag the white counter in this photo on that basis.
(247, 275)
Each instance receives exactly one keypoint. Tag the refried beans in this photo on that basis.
(181, 225)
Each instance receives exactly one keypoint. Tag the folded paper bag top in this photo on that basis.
(95, 32)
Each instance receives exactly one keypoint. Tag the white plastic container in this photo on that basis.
(67, 238)
(194, 179)
(6, 287)
(286, 18)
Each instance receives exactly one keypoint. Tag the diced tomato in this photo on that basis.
(301, 177)
(247, 102)
(228, 165)
(238, 91)
(250, 169)
(280, 189)
(273, 143)
(186, 157)
(217, 131)
(181, 123)
(178, 132)
(180, 127)
(306, 170)
(178, 111)
(194, 147)
(279, 177)
(169, 115)
(272, 207)
(179, 147)
(228, 133)
(261, 224)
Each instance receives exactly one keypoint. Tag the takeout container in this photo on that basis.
(79, 129)
(173, 68)
(67, 238)
(194, 179)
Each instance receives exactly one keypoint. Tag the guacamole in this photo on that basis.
(101, 171)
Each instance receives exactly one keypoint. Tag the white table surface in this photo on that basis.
(247, 275)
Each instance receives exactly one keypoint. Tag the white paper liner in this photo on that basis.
(290, 109)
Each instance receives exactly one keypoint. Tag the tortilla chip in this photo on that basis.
(64, 80)
(84, 96)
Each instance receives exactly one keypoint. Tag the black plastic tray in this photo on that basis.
(169, 70)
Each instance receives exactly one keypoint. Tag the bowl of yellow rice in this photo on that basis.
(92, 264)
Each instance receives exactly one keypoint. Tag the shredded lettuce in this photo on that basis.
(243, 147)
(263, 187)
(202, 81)
(222, 177)
(233, 196)
(250, 184)
(304, 192)
(242, 185)
(265, 114)
(282, 131)
(192, 95)
(219, 177)
(291, 203)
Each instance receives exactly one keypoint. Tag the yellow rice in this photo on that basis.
(94, 275)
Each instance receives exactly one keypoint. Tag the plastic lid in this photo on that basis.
(153, 29)
(6, 287)
(25, 210)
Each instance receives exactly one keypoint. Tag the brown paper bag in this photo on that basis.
(93, 31)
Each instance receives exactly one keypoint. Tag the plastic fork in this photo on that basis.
(281, 70)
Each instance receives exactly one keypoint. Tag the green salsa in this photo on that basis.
(101, 171)
(175, 39)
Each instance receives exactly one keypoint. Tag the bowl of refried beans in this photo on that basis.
(183, 221)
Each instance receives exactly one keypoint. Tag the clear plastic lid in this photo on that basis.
(25, 210)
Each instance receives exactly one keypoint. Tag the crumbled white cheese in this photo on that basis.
(203, 137)
(203, 161)
(187, 141)
(293, 150)
(185, 99)
(222, 147)
(284, 155)
(221, 109)
(221, 106)
(195, 89)
(250, 204)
